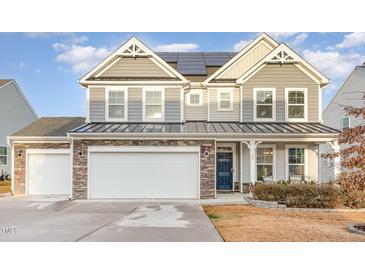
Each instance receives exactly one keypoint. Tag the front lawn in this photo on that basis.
(5, 187)
(242, 223)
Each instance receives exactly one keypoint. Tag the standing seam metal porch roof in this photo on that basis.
(203, 127)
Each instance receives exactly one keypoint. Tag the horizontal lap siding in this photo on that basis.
(97, 104)
(134, 67)
(197, 113)
(280, 77)
(245, 164)
(215, 115)
(172, 105)
(135, 104)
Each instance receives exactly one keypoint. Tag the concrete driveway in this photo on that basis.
(56, 219)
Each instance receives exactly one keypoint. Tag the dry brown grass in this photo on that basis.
(241, 223)
(5, 187)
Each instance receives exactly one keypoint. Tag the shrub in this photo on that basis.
(306, 195)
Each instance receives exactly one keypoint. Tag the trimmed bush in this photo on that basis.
(306, 195)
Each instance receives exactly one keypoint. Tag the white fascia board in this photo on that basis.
(132, 83)
(238, 56)
(148, 52)
(41, 139)
(296, 59)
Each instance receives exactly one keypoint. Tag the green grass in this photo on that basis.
(213, 216)
(5, 186)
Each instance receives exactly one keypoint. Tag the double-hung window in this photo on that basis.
(225, 100)
(296, 162)
(265, 163)
(296, 108)
(3, 156)
(195, 98)
(117, 104)
(153, 100)
(345, 123)
(264, 104)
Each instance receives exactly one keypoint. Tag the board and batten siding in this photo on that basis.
(196, 113)
(215, 115)
(281, 162)
(97, 104)
(280, 77)
(243, 65)
(172, 104)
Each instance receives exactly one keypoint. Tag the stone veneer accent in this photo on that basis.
(19, 162)
(207, 164)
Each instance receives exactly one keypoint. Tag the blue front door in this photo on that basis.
(224, 171)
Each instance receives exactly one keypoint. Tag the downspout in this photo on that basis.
(11, 145)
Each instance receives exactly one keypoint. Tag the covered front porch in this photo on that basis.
(242, 163)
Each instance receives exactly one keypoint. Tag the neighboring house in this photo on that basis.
(15, 113)
(183, 125)
(350, 94)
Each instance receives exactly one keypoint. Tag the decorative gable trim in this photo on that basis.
(132, 48)
(246, 50)
(284, 55)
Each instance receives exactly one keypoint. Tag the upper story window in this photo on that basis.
(153, 104)
(345, 123)
(116, 104)
(3, 156)
(225, 100)
(264, 104)
(195, 98)
(296, 104)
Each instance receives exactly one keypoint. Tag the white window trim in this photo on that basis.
(153, 88)
(342, 122)
(305, 119)
(116, 88)
(6, 155)
(195, 92)
(219, 92)
(273, 118)
(287, 159)
(273, 146)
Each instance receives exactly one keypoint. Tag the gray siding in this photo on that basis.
(135, 67)
(172, 105)
(15, 114)
(197, 113)
(97, 104)
(281, 162)
(350, 94)
(135, 104)
(280, 77)
(215, 115)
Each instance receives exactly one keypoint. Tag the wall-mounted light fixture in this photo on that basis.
(206, 152)
(80, 152)
(19, 153)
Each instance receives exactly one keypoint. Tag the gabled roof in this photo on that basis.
(50, 127)
(262, 37)
(132, 48)
(4, 82)
(282, 54)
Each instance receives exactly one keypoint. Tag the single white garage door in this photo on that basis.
(144, 174)
(48, 172)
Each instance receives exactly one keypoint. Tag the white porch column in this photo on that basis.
(252, 147)
(337, 160)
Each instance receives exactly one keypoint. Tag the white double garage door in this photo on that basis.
(119, 172)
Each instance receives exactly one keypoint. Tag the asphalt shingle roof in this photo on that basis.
(4, 81)
(51, 126)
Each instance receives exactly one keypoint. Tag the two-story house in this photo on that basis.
(351, 93)
(182, 125)
(15, 113)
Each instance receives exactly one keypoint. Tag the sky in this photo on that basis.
(47, 66)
